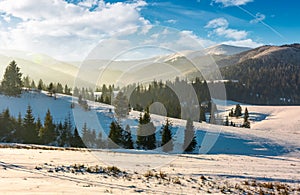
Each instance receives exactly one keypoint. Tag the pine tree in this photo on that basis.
(166, 140)
(11, 84)
(190, 142)
(48, 134)
(32, 85)
(67, 90)
(19, 128)
(61, 135)
(140, 139)
(76, 140)
(115, 135)
(76, 92)
(29, 133)
(246, 119)
(238, 110)
(66, 133)
(150, 137)
(26, 81)
(40, 85)
(38, 127)
(127, 139)
(86, 134)
(6, 125)
(231, 114)
(51, 89)
(59, 88)
(146, 132)
(121, 105)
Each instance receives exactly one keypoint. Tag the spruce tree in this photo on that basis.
(32, 85)
(246, 119)
(231, 113)
(59, 88)
(146, 132)
(19, 128)
(150, 138)
(61, 135)
(166, 140)
(86, 136)
(190, 142)
(115, 135)
(6, 125)
(238, 110)
(121, 105)
(11, 84)
(40, 85)
(126, 138)
(76, 140)
(140, 141)
(38, 127)
(29, 133)
(26, 81)
(66, 133)
(48, 134)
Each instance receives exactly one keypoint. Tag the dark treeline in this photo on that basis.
(274, 84)
(180, 97)
(146, 136)
(31, 130)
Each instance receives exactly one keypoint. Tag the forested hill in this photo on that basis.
(266, 75)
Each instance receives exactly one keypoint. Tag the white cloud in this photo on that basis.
(258, 18)
(66, 30)
(220, 28)
(228, 3)
(231, 33)
(218, 22)
(244, 43)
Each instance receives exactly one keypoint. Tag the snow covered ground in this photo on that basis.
(275, 130)
(56, 172)
(230, 158)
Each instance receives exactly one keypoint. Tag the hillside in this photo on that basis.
(222, 165)
(228, 140)
(266, 75)
(224, 49)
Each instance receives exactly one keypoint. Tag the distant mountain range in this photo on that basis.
(257, 69)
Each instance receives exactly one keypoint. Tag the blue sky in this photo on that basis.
(70, 29)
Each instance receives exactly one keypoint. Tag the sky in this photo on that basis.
(69, 29)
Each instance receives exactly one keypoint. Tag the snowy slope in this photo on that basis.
(270, 134)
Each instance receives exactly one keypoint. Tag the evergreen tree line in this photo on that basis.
(274, 84)
(52, 88)
(106, 93)
(180, 97)
(31, 130)
(147, 136)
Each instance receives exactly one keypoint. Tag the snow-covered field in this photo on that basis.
(58, 172)
(230, 158)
